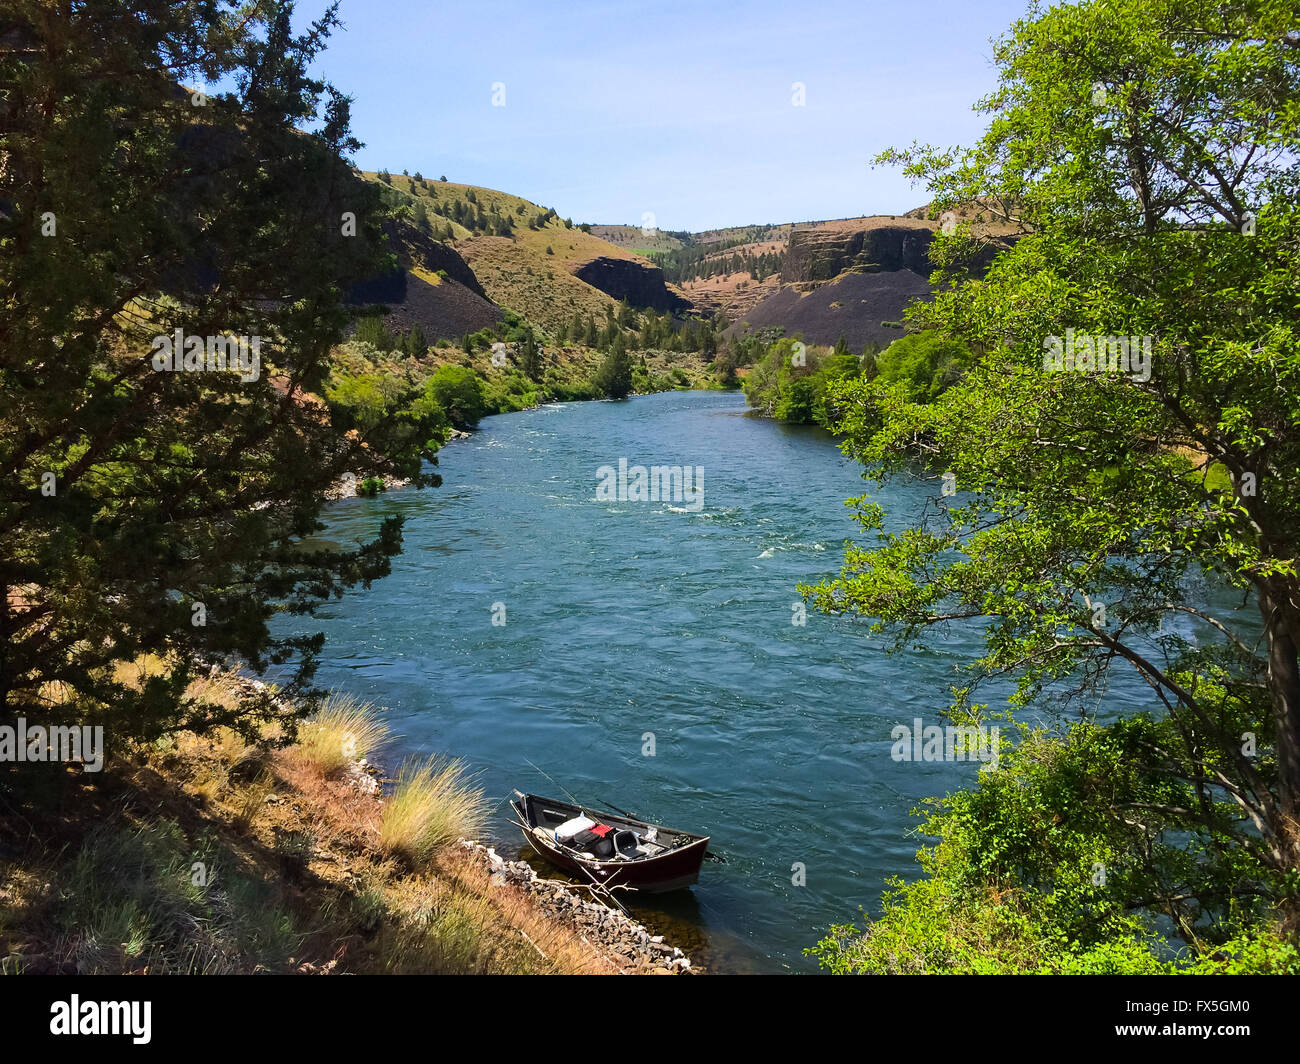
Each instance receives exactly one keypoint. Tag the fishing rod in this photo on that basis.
(561, 786)
(623, 811)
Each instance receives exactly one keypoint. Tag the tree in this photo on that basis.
(924, 364)
(724, 366)
(416, 345)
(371, 330)
(153, 510)
(531, 357)
(460, 393)
(1148, 153)
(614, 375)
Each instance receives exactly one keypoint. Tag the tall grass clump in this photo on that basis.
(433, 803)
(344, 729)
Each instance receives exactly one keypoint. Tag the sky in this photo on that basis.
(614, 110)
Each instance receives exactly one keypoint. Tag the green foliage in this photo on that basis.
(371, 330)
(131, 901)
(415, 344)
(1130, 139)
(171, 488)
(924, 364)
(530, 356)
(783, 388)
(385, 407)
(460, 393)
(614, 375)
(1031, 872)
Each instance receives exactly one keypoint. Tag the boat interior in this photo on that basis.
(598, 836)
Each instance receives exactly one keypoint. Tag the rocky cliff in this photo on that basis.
(824, 253)
(432, 287)
(641, 284)
(821, 254)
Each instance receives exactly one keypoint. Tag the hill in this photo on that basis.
(521, 256)
(763, 276)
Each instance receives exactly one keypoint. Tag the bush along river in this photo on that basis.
(647, 653)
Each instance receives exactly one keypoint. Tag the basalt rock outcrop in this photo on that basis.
(641, 284)
(821, 254)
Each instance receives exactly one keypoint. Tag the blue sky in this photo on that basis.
(615, 108)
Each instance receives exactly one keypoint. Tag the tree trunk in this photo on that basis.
(1284, 683)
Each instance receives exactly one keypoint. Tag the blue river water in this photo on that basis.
(624, 618)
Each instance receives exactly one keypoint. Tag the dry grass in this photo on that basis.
(433, 803)
(458, 920)
(303, 870)
(345, 730)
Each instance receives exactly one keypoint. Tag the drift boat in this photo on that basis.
(610, 849)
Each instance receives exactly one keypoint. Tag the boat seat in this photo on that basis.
(627, 846)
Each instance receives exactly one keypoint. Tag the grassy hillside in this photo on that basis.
(220, 854)
(523, 254)
(634, 238)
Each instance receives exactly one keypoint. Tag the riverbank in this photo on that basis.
(212, 854)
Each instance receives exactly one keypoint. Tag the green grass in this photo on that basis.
(137, 898)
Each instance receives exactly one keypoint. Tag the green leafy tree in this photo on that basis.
(1149, 154)
(459, 392)
(924, 364)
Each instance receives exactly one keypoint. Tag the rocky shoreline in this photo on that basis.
(347, 486)
(626, 943)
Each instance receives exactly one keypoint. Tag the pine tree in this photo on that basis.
(416, 345)
(146, 508)
(531, 358)
(614, 376)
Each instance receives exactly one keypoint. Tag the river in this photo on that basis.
(629, 618)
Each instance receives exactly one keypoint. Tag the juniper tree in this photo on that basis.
(147, 511)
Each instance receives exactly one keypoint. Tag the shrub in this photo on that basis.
(459, 392)
(432, 804)
(344, 729)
